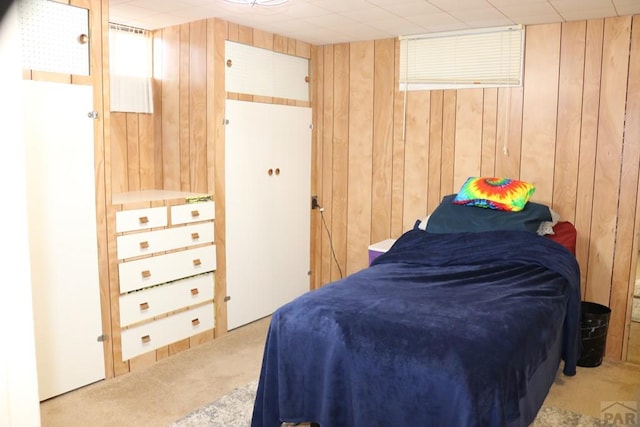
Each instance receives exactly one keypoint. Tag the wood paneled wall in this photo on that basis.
(386, 158)
(383, 158)
(133, 153)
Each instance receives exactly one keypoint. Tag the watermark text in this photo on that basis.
(621, 413)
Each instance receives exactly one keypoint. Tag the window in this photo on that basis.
(130, 64)
(488, 57)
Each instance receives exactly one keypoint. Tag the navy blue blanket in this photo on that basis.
(443, 329)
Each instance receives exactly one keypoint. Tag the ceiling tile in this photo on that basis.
(340, 6)
(455, 5)
(579, 15)
(563, 6)
(328, 21)
(302, 10)
(411, 9)
(331, 20)
(627, 7)
(537, 19)
(532, 13)
(159, 5)
(503, 3)
(471, 15)
(391, 26)
(433, 19)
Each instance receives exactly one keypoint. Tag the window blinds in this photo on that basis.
(486, 57)
(130, 62)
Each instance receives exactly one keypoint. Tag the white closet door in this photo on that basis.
(62, 236)
(291, 205)
(267, 191)
(248, 213)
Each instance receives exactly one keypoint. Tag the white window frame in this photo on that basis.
(486, 57)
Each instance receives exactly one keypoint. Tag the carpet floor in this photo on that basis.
(169, 390)
(234, 410)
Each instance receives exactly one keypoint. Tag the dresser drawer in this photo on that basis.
(146, 272)
(140, 219)
(149, 242)
(148, 303)
(192, 212)
(159, 333)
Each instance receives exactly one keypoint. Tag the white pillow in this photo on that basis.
(423, 224)
(546, 227)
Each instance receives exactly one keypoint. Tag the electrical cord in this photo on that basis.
(333, 252)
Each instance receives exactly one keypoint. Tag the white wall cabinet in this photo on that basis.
(256, 71)
(62, 235)
(267, 187)
(54, 37)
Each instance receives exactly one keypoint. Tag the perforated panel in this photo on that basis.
(258, 71)
(50, 37)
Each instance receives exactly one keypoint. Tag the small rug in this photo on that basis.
(235, 408)
(231, 410)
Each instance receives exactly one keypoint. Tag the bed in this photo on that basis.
(448, 328)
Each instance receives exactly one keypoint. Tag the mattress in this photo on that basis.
(444, 329)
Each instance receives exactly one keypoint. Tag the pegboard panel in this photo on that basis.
(256, 71)
(50, 33)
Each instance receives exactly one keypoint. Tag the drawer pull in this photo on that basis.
(195, 213)
(195, 236)
(145, 339)
(196, 262)
(143, 220)
(146, 273)
(195, 291)
(144, 245)
(195, 322)
(144, 306)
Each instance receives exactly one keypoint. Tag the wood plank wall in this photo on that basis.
(564, 130)
(383, 159)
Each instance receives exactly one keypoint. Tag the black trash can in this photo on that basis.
(593, 329)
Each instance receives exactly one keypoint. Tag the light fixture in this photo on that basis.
(258, 2)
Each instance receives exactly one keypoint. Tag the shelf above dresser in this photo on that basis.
(142, 196)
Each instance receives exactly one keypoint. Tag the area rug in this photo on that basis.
(234, 410)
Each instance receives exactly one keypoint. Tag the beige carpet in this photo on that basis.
(173, 388)
(235, 408)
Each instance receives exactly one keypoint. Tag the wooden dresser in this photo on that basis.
(166, 262)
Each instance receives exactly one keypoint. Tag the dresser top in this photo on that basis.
(154, 195)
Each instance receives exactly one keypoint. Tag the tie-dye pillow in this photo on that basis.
(495, 193)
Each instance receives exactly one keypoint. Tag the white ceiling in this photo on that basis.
(336, 21)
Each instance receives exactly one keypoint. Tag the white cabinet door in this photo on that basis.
(50, 33)
(63, 236)
(290, 203)
(258, 71)
(267, 190)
